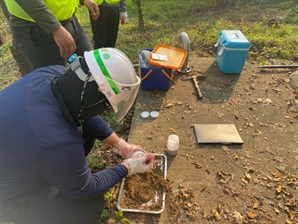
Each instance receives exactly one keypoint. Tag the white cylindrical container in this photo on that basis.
(173, 145)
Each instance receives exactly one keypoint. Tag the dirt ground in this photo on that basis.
(253, 182)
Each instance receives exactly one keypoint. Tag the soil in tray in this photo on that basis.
(145, 191)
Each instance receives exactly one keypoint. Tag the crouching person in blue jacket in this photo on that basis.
(49, 121)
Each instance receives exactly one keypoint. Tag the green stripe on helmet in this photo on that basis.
(105, 72)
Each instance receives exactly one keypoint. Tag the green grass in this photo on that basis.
(165, 20)
(9, 73)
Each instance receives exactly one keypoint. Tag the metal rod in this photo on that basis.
(278, 66)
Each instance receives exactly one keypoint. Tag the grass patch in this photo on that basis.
(165, 20)
(9, 72)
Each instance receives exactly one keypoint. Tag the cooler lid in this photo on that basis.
(169, 57)
(233, 39)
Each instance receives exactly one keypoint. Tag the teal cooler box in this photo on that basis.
(153, 77)
(232, 49)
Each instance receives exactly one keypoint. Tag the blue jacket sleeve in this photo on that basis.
(65, 167)
(97, 127)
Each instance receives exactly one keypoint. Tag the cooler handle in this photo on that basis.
(162, 70)
(166, 74)
(216, 45)
(221, 50)
(147, 74)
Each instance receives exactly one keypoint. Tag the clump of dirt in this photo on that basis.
(145, 191)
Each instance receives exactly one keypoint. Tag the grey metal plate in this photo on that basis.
(217, 133)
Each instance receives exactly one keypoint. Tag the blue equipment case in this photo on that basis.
(232, 49)
(153, 77)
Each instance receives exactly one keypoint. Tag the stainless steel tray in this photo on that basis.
(163, 166)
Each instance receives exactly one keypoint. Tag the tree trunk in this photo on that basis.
(17, 52)
(140, 13)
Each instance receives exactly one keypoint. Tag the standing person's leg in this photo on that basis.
(40, 47)
(61, 209)
(99, 28)
(80, 37)
(113, 26)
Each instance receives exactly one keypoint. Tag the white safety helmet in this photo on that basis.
(116, 78)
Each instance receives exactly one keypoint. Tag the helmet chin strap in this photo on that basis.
(76, 67)
(82, 96)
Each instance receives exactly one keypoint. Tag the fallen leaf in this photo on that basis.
(215, 214)
(292, 215)
(247, 176)
(276, 210)
(256, 133)
(237, 216)
(256, 205)
(224, 181)
(197, 165)
(278, 175)
(252, 214)
(291, 202)
(281, 169)
(220, 115)
(250, 124)
(235, 157)
(169, 105)
(269, 185)
(225, 148)
(278, 189)
(172, 130)
(189, 204)
(219, 209)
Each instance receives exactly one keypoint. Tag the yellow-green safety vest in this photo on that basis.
(61, 9)
(110, 2)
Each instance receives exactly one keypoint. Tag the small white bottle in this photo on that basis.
(173, 145)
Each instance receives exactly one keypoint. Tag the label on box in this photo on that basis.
(160, 57)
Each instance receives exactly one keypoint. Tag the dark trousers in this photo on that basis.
(49, 206)
(41, 48)
(105, 28)
(42, 207)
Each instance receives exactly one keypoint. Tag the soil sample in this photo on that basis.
(145, 191)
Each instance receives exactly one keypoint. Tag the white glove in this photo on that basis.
(126, 150)
(140, 164)
(123, 17)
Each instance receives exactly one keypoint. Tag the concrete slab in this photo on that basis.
(255, 102)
